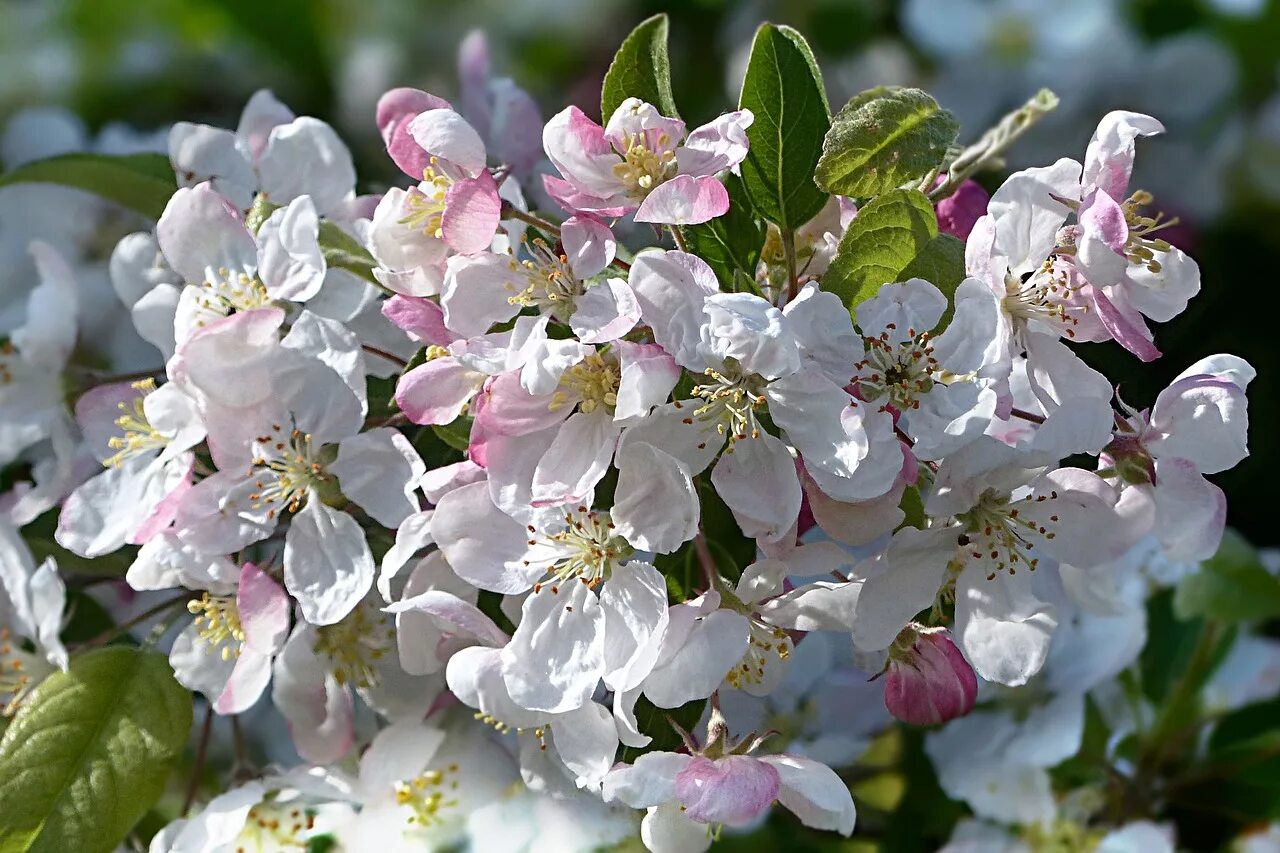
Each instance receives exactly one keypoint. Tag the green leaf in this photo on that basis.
(653, 721)
(90, 751)
(783, 89)
(456, 433)
(941, 263)
(912, 506)
(730, 244)
(140, 182)
(640, 69)
(882, 139)
(1232, 586)
(342, 251)
(882, 242)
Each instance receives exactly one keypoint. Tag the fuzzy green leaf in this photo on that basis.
(90, 751)
(883, 241)
(882, 139)
(783, 89)
(140, 182)
(640, 69)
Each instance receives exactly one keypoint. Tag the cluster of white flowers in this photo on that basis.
(511, 567)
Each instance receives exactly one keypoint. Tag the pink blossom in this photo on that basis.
(929, 681)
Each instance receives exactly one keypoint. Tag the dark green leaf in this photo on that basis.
(640, 69)
(941, 263)
(654, 722)
(1232, 586)
(783, 89)
(882, 139)
(730, 244)
(882, 242)
(456, 434)
(912, 506)
(140, 182)
(90, 751)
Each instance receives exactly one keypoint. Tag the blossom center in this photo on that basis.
(594, 381)
(1044, 295)
(18, 672)
(730, 400)
(139, 436)
(224, 291)
(898, 373)
(272, 827)
(428, 794)
(218, 622)
(288, 469)
(767, 643)
(551, 285)
(355, 646)
(587, 548)
(642, 168)
(998, 532)
(426, 206)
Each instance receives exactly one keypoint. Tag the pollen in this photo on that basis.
(218, 622)
(356, 646)
(137, 436)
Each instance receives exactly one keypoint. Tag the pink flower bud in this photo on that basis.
(929, 681)
(959, 211)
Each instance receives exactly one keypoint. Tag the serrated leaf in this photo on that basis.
(730, 244)
(783, 89)
(640, 69)
(90, 751)
(1232, 586)
(882, 139)
(882, 241)
(141, 182)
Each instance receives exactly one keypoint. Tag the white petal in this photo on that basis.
(306, 157)
(655, 506)
(380, 470)
(634, 601)
(758, 482)
(556, 656)
(327, 563)
(483, 545)
(814, 793)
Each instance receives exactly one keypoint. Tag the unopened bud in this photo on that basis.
(929, 681)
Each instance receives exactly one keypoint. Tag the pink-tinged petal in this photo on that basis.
(1202, 419)
(1109, 159)
(515, 127)
(437, 392)
(249, 677)
(589, 245)
(576, 145)
(264, 610)
(684, 200)
(453, 616)
(164, 512)
(572, 200)
(733, 790)
(477, 291)
(262, 113)
(958, 212)
(444, 134)
(201, 232)
(718, 145)
(473, 80)
(1127, 329)
(1191, 512)
(232, 360)
(422, 318)
(319, 711)
(605, 312)
(929, 681)
(396, 109)
(1102, 215)
(648, 375)
(96, 412)
(472, 213)
(508, 409)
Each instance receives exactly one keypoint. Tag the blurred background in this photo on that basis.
(122, 70)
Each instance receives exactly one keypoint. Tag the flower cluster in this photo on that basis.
(524, 514)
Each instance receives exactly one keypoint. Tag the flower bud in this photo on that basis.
(958, 212)
(929, 681)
